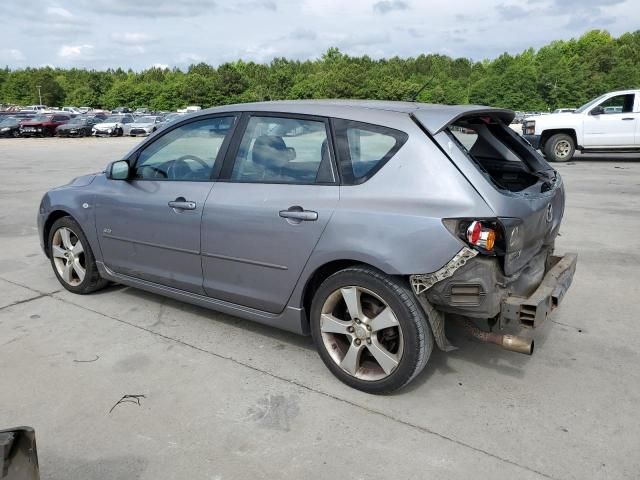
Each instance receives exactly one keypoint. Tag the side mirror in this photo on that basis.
(119, 170)
(597, 110)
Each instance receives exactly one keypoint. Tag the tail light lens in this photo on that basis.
(480, 236)
(484, 235)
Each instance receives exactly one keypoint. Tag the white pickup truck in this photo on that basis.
(609, 123)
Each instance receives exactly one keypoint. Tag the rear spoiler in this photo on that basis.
(436, 118)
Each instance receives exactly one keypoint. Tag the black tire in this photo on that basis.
(559, 148)
(119, 132)
(92, 280)
(417, 339)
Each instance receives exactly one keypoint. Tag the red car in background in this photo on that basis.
(43, 125)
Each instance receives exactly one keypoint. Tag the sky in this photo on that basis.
(139, 34)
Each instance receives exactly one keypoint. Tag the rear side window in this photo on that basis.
(364, 148)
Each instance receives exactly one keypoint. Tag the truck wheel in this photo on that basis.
(559, 148)
(370, 330)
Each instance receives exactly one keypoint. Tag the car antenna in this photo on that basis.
(415, 97)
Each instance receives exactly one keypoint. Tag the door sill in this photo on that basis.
(290, 319)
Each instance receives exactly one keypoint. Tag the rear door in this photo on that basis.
(277, 191)
(149, 226)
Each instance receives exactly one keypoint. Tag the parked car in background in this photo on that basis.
(80, 126)
(34, 108)
(43, 125)
(10, 126)
(71, 110)
(85, 109)
(171, 117)
(141, 111)
(121, 110)
(98, 115)
(112, 126)
(359, 222)
(190, 109)
(564, 110)
(143, 126)
(609, 123)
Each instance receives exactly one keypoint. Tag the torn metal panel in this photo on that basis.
(423, 282)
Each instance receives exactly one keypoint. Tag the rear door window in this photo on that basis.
(364, 148)
(283, 150)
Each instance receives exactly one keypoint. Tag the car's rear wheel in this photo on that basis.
(370, 330)
(72, 258)
(559, 148)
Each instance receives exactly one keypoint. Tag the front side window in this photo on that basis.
(186, 153)
(283, 150)
(618, 104)
(365, 148)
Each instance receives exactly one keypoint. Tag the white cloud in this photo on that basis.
(131, 38)
(59, 13)
(11, 54)
(74, 52)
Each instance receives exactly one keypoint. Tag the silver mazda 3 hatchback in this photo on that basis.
(368, 225)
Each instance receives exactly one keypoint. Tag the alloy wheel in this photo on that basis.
(361, 333)
(68, 256)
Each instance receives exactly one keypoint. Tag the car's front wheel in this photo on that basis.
(559, 148)
(370, 330)
(72, 258)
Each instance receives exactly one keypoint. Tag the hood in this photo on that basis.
(81, 181)
(106, 125)
(142, 125)
(552, 117)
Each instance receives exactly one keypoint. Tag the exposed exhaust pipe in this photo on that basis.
(508, 342)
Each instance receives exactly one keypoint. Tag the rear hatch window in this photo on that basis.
(506, 160)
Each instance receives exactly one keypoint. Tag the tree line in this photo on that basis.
(561, 74)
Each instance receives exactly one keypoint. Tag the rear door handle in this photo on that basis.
(181, 204)
(298, 214)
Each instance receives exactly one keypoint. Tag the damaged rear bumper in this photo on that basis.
(474, 286)
(535, 309)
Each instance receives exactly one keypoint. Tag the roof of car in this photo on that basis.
(433, 117)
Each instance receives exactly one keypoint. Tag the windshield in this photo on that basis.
(40, 118)
(77, 120)
(588, 105)
(7, 120)
(145, 120)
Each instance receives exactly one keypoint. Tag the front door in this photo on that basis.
(265, 216)
(149, 226)
(614, 126)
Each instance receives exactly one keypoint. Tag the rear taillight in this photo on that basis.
(484, 235)
(481, 236)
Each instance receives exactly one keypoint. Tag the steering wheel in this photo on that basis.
(162, 173)
(174, 170)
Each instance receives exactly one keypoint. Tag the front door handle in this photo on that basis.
(297, 214)
(628, 118)
(181, 204)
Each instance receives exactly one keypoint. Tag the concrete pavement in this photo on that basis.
(225, 398)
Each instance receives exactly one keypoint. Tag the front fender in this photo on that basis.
(75, 202)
